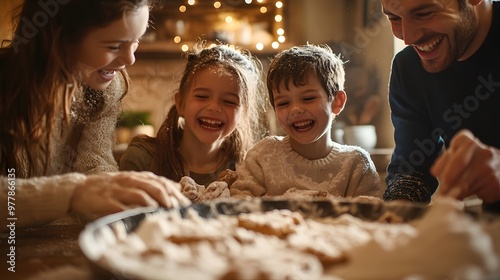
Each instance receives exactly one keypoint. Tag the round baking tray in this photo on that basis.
(90, 239)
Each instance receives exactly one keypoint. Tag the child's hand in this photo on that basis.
(229, 176)
(190, 188)
(216, 189)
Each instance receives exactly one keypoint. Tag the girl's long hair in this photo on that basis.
(38, 77)
(251, 128)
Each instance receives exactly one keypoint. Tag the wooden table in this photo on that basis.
(44, 249)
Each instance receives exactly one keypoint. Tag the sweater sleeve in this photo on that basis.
(250, 182)
(37, 200)
(408, 172)
(365, 178)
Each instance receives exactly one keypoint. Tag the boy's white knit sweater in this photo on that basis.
(272, 167)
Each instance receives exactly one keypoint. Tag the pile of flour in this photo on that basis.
(449, 245)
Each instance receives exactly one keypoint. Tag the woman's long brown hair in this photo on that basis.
(37, 74)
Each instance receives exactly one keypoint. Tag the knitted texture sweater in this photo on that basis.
(94, 151)
(37, 200)
(44, 197)
(272, 167)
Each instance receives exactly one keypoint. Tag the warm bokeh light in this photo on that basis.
(230, 22)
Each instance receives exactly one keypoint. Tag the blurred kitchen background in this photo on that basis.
(356, 29)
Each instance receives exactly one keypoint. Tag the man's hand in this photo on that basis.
(469, 167)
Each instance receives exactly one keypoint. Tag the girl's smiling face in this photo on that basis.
(304, 112)
(211, 108)
(104, 51)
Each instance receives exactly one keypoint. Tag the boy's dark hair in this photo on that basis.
(295, 64)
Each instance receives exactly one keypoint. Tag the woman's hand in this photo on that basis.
(469, 167)
(108, 193)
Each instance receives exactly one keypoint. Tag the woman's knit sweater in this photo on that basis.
(44, 197)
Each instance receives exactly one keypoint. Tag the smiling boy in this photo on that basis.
(305, 86)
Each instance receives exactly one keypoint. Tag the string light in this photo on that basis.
(233, 23)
